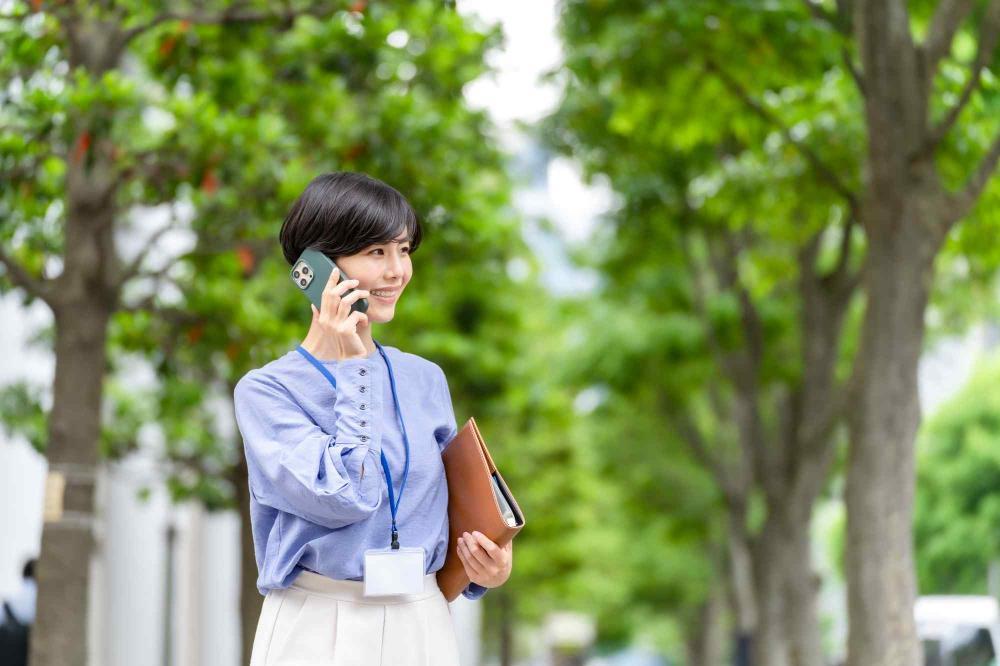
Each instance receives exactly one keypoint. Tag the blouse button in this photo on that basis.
(362, 372)
(364, 406)
(364, 423)
(362, 389)
(364, 438)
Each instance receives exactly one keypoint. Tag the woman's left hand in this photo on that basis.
(485, 563)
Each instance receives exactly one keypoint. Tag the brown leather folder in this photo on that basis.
(478, 500)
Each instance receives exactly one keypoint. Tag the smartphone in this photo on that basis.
(312, 271)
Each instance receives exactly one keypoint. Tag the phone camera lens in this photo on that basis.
(302, 282)
(305, 270)
(296, 274)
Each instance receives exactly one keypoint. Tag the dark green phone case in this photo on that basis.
(312, 271)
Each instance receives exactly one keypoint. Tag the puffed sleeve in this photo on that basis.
(447, 427)
(296, 467)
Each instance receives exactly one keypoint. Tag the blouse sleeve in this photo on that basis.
(296, 467)
(474, 591)
(447, 428)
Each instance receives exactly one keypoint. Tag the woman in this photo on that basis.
(326, 429)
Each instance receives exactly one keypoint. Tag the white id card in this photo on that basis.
(389, 572)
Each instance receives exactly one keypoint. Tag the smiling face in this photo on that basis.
(383, 269)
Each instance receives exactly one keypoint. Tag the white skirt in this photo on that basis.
(318, 621)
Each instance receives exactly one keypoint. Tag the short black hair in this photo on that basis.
(342, 213)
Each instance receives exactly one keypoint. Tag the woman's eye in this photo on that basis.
(378, 250)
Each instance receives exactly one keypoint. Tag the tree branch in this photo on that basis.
(743, 366)
(821, 14)
(148, 302)
(816, 432)
(132, 269)
(699, 290)
(234, 14)
(839, 20)
(845, 247)
(37, 286)
(20, 172)
(699, 450)
(840, 280)
(154, 165)
(856, 75)
(989, 32)
(824, 171)
(966, 199)
(845, 10)
(948, 16)
(726, 268)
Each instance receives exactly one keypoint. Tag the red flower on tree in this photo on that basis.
(209, 183)
(81, 147)
(246, 258)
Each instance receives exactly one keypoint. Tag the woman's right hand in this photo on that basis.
(338, 326)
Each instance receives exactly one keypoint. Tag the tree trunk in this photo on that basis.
(905, 221)
(83, 299)
(60, 632)
(741, 580)
(883, 418)
(788, 631)
(706, 645)
(770, 643)
(801, 585)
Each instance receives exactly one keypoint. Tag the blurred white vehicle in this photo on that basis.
(959, 630)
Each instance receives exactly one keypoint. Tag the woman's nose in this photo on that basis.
(394, 266)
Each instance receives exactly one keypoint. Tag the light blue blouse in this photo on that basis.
(318, 495)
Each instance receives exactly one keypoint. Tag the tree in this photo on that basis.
(742, 296)
(219, 113)
(910, 204)
(910, 186)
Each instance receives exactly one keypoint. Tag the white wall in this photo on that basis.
(22, 470)
(22, 475)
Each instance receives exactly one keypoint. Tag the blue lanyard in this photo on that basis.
(394, 500)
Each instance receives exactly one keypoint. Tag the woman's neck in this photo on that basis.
(366, 337)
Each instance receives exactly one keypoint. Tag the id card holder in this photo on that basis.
(392, 572)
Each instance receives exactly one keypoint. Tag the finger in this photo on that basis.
(470, 562)
(334, 278)
(489, 546)
(345, 286)
(330, 298)
(473, 568)
(356, 318)
(315, 311)
(355, 295)
(479, 553)
(344, 308)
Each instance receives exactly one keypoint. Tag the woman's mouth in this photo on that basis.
(385, 295)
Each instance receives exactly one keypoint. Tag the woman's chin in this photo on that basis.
(381, 315)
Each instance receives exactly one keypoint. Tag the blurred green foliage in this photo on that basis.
(221, 127)
(957, 523)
